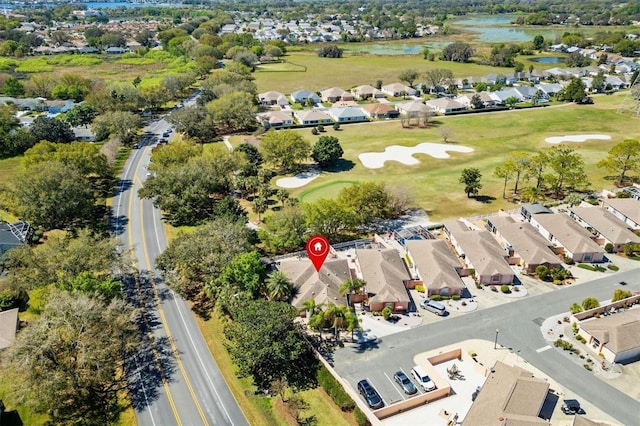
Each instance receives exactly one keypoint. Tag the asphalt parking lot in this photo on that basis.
(383, 381)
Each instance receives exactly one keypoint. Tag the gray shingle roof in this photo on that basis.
(436, 264)
(603, 221)
(384, 272)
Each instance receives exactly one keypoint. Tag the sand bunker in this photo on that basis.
(299, 180)
(575, 138)
(404, 154)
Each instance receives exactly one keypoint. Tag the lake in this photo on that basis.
(498, 29)
(395, 48)
(548, 60)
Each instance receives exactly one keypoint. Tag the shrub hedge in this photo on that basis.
(335, 390)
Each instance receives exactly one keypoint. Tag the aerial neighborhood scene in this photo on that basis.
(320, 213)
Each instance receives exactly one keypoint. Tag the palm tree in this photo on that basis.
(352, 323)
(282, 195)
(259, 207)
(316, 322)
(337, 315)
(310, 307)
(531, 194)
(352, 286)
(279, 286)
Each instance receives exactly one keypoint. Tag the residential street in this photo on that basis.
(175, 381)
(518, 323)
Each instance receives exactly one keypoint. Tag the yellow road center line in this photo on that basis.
(154, 349)
(162, 317)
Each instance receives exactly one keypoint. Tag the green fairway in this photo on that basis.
(434, 182)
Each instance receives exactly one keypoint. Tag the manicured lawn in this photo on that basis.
(355, 70)
(434, 182)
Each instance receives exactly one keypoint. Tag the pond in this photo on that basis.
(395, 48)
(548, 60)
(498, 29)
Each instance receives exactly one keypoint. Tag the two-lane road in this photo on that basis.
(175, 381)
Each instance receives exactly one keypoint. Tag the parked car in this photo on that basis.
(404, 382)
(585, 101)
(370, 394)
(433, 306)
(571, 406)
(166, 134)
(136, 146)
(423, 378)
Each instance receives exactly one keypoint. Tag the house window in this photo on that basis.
(495, 278)
(587, 257)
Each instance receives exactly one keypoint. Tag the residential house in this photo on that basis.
(347, 114)
(525, 246)
(323, 286)
(385, 274)
(58, 106)
(501, 96)
(445, 105)
(509, 396)
(615, 82)
(625, 209)
(529, 209)
(14, 235)
(616, 336)
(380, 111)
(609, 228)
(8, 327)
(83, 134)
(313, 117)
(335, 94)
(413, 108)
(466, 99)
(480, 251)
(565, 233)
(273, 98)
(549, 89)
(367, 92)
(274, 119)
(436, 266)
(301, 96)
(398, 89)
(115, 51)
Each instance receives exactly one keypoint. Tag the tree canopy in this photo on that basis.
(471, 179)
(267, 344)
(457, 52)
(622, 158)
(66, 362)
(284, 149)
(326, 151)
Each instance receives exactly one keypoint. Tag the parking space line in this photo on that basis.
(394, 386)
(371, 383)
(544, 348)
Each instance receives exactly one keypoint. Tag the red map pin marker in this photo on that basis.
(318, 250)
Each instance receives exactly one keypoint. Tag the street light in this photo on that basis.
(495, 342)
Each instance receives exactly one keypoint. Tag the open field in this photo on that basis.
(434, 182)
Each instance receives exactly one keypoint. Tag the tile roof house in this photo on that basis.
(385, 274)
(413, 107)
(347, 114)
(615, 336)
(301, 96)
(366, 92)
(437, 266)
(480, 251)
(313, 117)
(323, 286)
(565, 232)
(8, 327)
(273, 98)
(398, 89)
(445, 105)
(626, 209)
(610, 229)
(335, 94)
(275, 119)
(509, 396)
(380, 111)
(525, 245)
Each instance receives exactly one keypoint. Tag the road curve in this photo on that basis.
(174, 380)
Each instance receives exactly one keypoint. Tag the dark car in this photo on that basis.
(370, 394)
(166, 134)
(405, 383)
(585, 101)
(136, 146)
(571, 406)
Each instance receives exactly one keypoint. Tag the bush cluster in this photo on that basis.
(335, 390)
(420, 288)
(505, 289)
